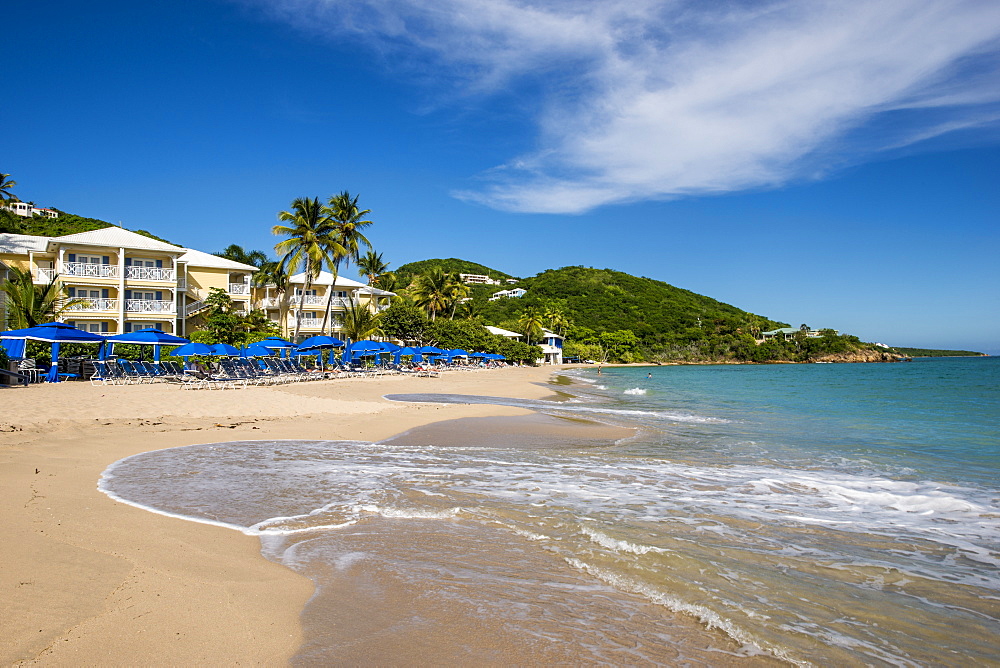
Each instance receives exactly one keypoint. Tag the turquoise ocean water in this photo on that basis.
(823, 514)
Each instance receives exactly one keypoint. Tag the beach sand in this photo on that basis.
(87, 580)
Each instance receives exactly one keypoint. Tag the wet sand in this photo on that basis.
(93, 581)
(88, 580)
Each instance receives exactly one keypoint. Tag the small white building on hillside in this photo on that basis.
(513, 293)
(26, 209)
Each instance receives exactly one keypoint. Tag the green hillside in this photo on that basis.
(454, 265)
(66, 223)
(613, 316)
(607, 300)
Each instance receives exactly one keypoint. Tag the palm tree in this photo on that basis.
(388, 282)
(473, 309)
(347, 239)
(372, 267)
(457, 291)
(360, 323)
(557, 319)
(531, 322)
(5, 185)
(273, 275)
(431, 291)
(237, 253)
(29, 304)
(307, 246)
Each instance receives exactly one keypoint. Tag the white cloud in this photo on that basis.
(654, 99)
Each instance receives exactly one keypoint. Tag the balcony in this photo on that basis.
(149, 306)
(46, 275)
(308, 323)
(239, 288)
(150, 274)
(87, 269)
(92, 305)
(182, 283)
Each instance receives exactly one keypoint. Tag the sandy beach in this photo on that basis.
(87, 580)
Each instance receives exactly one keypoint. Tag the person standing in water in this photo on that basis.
(649, 375)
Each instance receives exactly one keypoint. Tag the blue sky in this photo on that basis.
(833, 163)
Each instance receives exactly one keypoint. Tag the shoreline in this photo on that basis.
(90, 579)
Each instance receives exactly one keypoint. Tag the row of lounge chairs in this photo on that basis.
(230, 374)
(236, 372)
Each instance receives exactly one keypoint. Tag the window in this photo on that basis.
(88, 259)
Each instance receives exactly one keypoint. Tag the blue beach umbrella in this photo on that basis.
(223, 350)
(360, 348)
(277, 343)
(404, 352)
(458, 352)
(144, 337)
(317, 344)
(189, 349)
(256, 350)
(54, 333)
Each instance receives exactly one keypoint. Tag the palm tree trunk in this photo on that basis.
(329, 300)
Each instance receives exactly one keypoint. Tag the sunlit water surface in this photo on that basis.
(822, 514)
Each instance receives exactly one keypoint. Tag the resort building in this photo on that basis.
(477, 279)
(27, 209)
(308, 305)
(550, 343)
(788, 333)
(513, 293)
(129, 281)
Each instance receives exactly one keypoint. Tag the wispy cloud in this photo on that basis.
(655, 99)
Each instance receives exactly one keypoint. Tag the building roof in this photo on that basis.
(197, 258)
(326, 278)
(115, 237)
(503, 332)
(21, 244)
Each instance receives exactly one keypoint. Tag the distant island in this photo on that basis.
(930, 352)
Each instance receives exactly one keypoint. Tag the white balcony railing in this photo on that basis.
(95, 305)
(89, 269)
(46, 275)
(308, 323)
(149, 306)
(239, 288)
(150, 273)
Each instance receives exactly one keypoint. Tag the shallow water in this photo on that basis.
(825, 514)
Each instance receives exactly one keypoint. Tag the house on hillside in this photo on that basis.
(513, 293)
(27, 209)
(477, 279)
(788, 333)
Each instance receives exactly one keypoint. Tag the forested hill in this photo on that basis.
(452, 264)
(608, 300)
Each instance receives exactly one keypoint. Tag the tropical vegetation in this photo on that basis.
(224, 323)
(28, 304)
